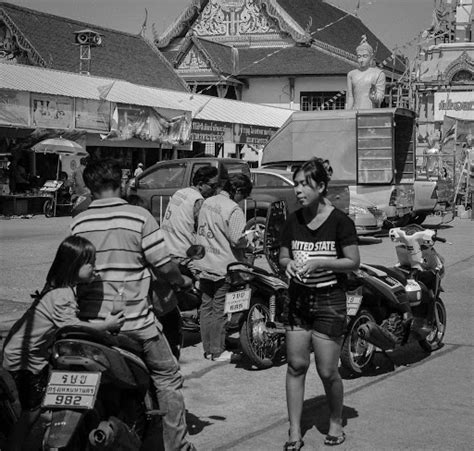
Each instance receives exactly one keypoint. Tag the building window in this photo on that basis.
(329, 100)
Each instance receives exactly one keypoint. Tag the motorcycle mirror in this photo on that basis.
(196, 252)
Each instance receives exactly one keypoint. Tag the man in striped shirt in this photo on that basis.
(129, 245)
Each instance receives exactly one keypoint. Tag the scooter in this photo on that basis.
(254, 302)
(98, 394)
(390, 307)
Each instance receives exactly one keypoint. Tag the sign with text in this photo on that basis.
(212, 131)
(459, 105)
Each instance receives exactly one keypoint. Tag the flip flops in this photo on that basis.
(332, 440)
(293, 446)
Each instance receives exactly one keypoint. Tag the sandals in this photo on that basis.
(293, 446)
(332, 440)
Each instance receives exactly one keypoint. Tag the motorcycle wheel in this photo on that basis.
(48, 208)
(357, 354)
(256, 343)
(433, 341)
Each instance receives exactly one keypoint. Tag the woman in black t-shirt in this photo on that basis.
(319, 245)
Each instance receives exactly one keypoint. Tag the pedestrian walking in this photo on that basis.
(27, 346)
(319, 245)
(221, 226)
(129, 245)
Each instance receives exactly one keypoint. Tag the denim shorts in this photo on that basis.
(30, 387)
(320, 309)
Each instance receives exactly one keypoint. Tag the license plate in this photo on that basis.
(72, 389)
(237, 301)
(353, 302)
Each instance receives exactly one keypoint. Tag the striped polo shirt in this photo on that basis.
(128, 240)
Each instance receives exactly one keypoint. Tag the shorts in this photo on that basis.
(31, 387)
(322, 310)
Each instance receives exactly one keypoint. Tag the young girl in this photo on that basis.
(26, 350)
(319, 244)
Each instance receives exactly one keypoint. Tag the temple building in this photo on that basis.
(289, 53)
(444, 78)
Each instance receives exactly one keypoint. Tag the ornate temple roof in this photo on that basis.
(48, 41)
(225, 60)
(285, 23)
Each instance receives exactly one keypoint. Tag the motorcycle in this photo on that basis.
(255, 299)
(388, 307)
(98, 394)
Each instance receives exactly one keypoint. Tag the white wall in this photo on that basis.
(276, 90)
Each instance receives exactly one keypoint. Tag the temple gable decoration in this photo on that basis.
(233, 18)
(461, 70)
(194, 61)
(14, 47)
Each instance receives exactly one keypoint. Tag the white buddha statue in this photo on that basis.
(365, 85)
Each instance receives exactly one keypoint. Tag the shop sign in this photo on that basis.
(253, 134)
(212, 131)
(458, 104)
(92, 114)
(52, 111)
(14, 107)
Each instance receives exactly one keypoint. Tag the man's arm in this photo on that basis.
(157, 254)
(171, 273)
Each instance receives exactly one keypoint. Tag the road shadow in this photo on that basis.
(196, 424)
(387, 362)
(316, 414)
(243, 362)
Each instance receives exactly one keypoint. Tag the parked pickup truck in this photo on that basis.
(154, 187)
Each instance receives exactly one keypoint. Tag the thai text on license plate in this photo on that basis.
(72, 389)
(237, 301)
(353, 301)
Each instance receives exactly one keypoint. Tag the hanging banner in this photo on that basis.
(92, 114)
(213, 131)
(14, 107)
(52, 111)
(149, 125)
(458, 104)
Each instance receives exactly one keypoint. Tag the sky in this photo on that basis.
(395, 22)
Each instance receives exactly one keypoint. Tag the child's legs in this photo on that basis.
(326, 355)
(298, 342)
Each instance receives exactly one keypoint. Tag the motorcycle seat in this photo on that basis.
(101, 337)
(395, 273)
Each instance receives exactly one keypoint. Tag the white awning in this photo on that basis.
(46, 81)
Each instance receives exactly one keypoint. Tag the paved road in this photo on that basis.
(422, 402)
